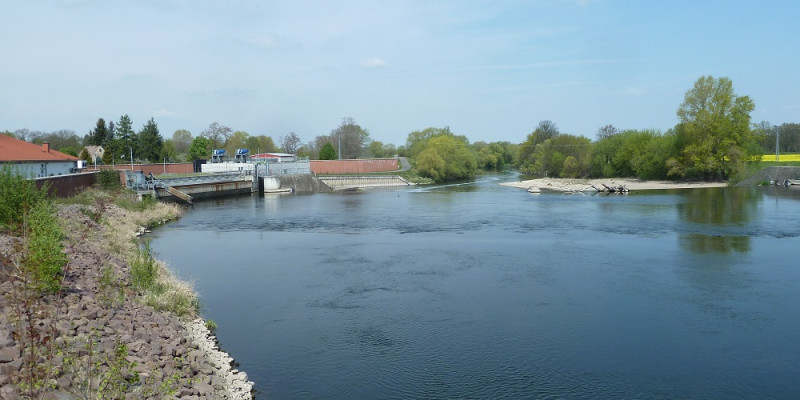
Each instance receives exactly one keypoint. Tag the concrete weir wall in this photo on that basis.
(202, 191)
(349, 182)
(772, 174)
(305, 183)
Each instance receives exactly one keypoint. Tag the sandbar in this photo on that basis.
(585, 185)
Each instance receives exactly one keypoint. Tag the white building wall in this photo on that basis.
(278, 168)
(40, 169)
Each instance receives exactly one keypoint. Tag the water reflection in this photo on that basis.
(719, 215)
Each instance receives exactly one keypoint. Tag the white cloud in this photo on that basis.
(633, 91)
(374, 63)
(163, 113)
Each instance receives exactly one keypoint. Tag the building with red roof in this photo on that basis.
(34, 161)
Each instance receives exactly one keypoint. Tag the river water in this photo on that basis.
(481, 291)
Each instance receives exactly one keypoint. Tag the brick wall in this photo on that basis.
(67, 185)
(354, 166)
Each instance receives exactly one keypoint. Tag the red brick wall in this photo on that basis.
(354, 166)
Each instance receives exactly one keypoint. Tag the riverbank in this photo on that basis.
(565, 185)
(101, 335)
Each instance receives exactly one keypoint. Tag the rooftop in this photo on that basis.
(15, 150)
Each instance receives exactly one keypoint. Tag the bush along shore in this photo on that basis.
(88, 313)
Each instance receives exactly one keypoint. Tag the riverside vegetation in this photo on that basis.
(88, 313)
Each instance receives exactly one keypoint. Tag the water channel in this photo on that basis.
(481, 291)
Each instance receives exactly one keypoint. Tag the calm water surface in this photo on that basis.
(482, 291)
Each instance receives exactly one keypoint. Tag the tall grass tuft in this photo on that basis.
(44, 254)
(144, 270)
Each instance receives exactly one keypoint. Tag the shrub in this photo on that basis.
(129, 202)
(17, 195)
(108, 179)
(44, 256)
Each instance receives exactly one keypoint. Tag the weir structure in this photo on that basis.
(260, 177)
(189, 188)
(337, 183)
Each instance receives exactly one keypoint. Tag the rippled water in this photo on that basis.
(482, 291)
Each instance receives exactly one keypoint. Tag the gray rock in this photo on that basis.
(9, 354)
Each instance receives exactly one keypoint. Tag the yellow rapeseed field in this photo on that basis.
(783, 157)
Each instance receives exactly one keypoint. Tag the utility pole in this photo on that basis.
(340, 146)
(777, 142)
(131, 148)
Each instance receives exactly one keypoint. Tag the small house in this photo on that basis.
(95, 154)
(34, 161)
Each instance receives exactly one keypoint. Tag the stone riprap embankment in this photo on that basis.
(97, 314)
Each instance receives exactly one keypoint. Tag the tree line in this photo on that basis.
(713, 140)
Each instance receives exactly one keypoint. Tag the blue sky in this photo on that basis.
(490, 70)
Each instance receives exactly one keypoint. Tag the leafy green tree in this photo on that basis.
(150, 142)
(545, 130)
(714, 132)
(168, 152)
(489, 155)
(379, 150)
(549, 156)
(651, 162)
(69, 150)
(570, 168)
(303, 151)
(417, 140)
(630, 153)
(200, 149)
(261, 144)
(327, 152)
(237, 140)
(446, 157)
(182, 139)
